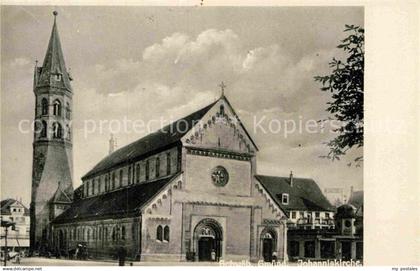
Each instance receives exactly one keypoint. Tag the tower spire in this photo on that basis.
(54, 71)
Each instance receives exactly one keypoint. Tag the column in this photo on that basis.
(317, 248)
(301, 248)
(353, 250)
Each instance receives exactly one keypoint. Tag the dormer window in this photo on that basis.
(285, 198)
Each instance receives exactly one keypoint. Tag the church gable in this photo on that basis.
(220, 128)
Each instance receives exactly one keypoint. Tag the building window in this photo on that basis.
(87, 188)
(106, 183)
(44, 106)
(294, 248)
(57, 130)
(99, 185)
(301, 214)
(88, 235)
(121, 177)
(159, 233)
(168, 163)
(68, 111)
(316, 214)
(285, 198)
(147, 170)
(123, 232)
(113, 180)
(157, 167)
(100, 234)
(129, 175)
(106, 233)
(138, 173)
(293, 215)
(310, 249)
(114, 235)
(44, 129)
(327, 215)
(166, 234)
(57, 108)
(327, 249)
(222, 110)
(93, 187)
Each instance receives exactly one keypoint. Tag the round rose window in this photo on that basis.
(220, 176)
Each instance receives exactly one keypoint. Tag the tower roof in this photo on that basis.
(53, 71)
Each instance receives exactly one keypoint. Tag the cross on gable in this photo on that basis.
(222, 87)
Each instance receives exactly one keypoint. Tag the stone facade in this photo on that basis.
(193, 217)
(52, 146)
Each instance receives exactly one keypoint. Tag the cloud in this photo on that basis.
(19, 62)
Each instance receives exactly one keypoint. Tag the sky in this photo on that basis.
(148, 63)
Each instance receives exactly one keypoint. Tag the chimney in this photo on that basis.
(111, 144)
(291, 178)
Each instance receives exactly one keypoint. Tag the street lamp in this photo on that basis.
(6, 224)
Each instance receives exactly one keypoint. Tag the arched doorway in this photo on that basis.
(208, 238)
(268, 244)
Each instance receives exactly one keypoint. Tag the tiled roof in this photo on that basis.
(305, 194)
(5, 204)
(164, 137)
(123, 202)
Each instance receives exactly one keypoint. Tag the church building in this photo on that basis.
(187, 192)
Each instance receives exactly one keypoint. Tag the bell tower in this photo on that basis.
(52, 166)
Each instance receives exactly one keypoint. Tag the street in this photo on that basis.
(40, 261)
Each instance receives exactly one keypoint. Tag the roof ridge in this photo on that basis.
(286, 177)
(172, 138)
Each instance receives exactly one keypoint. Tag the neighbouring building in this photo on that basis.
(189, 191)
(18, 238)
(343, 242)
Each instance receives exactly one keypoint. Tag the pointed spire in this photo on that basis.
(54, 72)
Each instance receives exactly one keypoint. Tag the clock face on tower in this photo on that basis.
(220, 176)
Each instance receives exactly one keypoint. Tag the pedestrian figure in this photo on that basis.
(17, 259)
(274, 257)
(213, 255)
(121, 256)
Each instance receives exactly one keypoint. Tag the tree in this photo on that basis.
(346, 86)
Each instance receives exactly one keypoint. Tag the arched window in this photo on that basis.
(168, 163)
(113, 180)
(57, 108)
(68, 111)
(99, 185)
(138, 173)
(129, 175)
(113, 234)
(121, 177)
(222, 110)
(159, 233)
(57, 130)
(106, 183)
(44, 129)
(106, 233)
(157, 165)
(88, 235)
(44, 106)
(147, 170)
(123, 232)
(166, 233)
(68, 132)
(93, 186)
